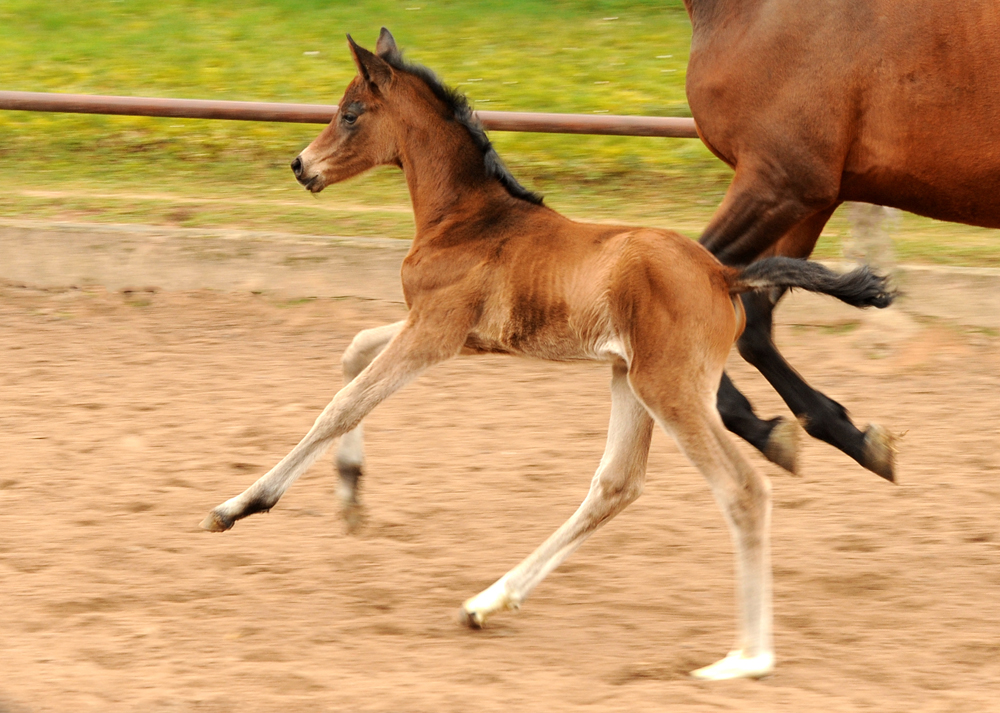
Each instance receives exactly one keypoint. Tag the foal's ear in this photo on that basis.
(372, 68)
(386, 46)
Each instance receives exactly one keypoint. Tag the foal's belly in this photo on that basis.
(550, 346)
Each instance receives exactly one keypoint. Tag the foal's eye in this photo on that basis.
(350, 118)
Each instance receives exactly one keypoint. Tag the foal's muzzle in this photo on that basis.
(313, 183)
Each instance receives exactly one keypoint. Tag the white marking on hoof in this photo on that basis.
(473, 620)
(495, 598)
(736, 665)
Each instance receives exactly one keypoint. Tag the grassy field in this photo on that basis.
(531, 55)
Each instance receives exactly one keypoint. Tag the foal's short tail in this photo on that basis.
(859, 288)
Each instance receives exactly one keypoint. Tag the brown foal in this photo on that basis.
(491, 270)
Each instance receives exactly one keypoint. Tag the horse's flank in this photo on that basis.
(862, 100)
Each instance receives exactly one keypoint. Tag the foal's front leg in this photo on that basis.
(618, 482)
(406, 355)
(350, 458)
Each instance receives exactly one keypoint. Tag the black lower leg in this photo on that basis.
(739, 417)
(775, 438)
(822, 417)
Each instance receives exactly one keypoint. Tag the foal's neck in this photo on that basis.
(446, 174)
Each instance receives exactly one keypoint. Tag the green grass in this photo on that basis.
(528, 55)
(612, 56)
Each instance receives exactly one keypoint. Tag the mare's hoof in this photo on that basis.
(783, 445)
(879, 452)
(216, 523)
(736, 665)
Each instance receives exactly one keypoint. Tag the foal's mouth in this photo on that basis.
(313, 185)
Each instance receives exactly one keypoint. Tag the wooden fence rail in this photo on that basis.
(606, 124)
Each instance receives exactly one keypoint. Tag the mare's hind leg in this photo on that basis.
(745, 499)
(618, 482)
(777, 438)
(751, 223)
(822, 417)
(742, 230)
(350, 458)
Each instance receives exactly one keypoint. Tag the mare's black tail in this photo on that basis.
(860, 287)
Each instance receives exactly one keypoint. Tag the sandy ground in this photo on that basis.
(125, 417)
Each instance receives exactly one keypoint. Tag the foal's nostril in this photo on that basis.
(297, 166)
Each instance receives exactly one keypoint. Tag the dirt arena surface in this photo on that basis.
(125, 417)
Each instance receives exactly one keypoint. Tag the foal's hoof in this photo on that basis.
(217, 523)
(879, 452)
(354, 516)
(471, 619)
(495, 598)
(783, 445)
(736, 665)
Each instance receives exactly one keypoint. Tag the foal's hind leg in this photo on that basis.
(745, 499)
(350, 457)
(618, 481)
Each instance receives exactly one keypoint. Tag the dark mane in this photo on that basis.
(459, 105)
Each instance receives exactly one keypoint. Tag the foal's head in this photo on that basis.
(362, 133)
(380, 106)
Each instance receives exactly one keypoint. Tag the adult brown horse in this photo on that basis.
(815, 103)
